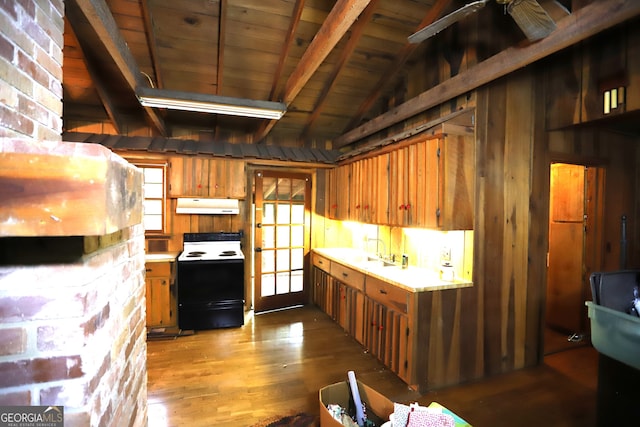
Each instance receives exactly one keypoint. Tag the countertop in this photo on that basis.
(413, 279)
(161, 256)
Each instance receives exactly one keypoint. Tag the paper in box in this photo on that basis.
(339, 394)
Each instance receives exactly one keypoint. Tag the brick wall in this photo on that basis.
(72, 309)
(31, 41)
(73, 330)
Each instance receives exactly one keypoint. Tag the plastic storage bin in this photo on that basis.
(615, 334)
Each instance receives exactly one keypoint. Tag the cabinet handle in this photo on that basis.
(366, 206)
(383, 292)
(407, 207)
(345, 275)
(149, 270)
(357, 206)
(400, 207)
(380, 327)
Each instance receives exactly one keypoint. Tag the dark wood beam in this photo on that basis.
(151, 41)
(583, 23)
(89, 61)
(99, 16)
(293, 27)
(338, 22)
(354, 38)
(393, 70)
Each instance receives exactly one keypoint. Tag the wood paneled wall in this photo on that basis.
(514, 154)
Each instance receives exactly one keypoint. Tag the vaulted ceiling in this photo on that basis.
(334, 64)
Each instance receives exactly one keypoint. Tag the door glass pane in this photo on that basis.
(297, 192)
(282, 283)
(268, 237)
(269, 188)
(268, 213)
(297, 235)
(283, 215)
(283, 236)
(284, 189)
(297, 214)
(296, 281)
(268, 261)
(283, 259)
(297, 259)
(268, 285)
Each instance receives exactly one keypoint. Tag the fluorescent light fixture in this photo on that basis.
(188, 101)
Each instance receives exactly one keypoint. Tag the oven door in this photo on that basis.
(205, 282)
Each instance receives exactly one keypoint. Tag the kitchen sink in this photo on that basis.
(379, 261)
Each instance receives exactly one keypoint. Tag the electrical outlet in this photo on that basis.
(445, 254)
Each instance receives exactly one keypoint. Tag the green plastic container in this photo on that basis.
(615, 334)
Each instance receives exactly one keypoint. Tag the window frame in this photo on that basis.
(163, 165)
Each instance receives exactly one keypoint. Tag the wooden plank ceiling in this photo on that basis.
(334, 64)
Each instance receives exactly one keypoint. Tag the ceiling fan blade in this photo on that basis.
(442, 23)
(532, 19)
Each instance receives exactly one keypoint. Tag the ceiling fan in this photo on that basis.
(532, 19)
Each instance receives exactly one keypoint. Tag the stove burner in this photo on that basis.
(195, 254)
(227, 253)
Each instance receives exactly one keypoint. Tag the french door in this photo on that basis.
(282, 239)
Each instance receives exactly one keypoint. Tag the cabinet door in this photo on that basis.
(379, 205)
(456, 182)
(339, 193)
(355, 191)
(355, 314)
(320, 285)
(158, 301)
(341, 306)
(387, 337)
(205, 177)
(237, 184)
(402, 186)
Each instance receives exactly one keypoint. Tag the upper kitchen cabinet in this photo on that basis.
(339, 193)
(207, 177)
(369, 190)
(455, 182)
(432, 183)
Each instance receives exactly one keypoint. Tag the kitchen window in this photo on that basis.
(154, 203)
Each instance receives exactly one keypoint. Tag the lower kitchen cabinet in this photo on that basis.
(387, 322)
(161, 294)
(427, 336)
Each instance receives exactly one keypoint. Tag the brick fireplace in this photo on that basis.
(72, 307)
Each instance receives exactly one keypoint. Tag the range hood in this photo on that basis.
(186, 205)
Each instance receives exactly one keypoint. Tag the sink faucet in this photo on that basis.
(384, 248)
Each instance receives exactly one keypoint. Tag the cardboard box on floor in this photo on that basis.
(339, 394)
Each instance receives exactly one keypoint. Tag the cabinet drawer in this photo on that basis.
(321, 262)
(348, 276)
(387, 294)
(158, 269)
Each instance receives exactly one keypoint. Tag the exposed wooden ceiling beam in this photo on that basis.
(580, 25)
(99, 16)
(293, 27)
(338, 22)
(89, 61)
(356, 32)
(222, 25)
(151, 41)
(434, 13)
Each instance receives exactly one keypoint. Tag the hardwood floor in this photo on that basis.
(277, 362)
